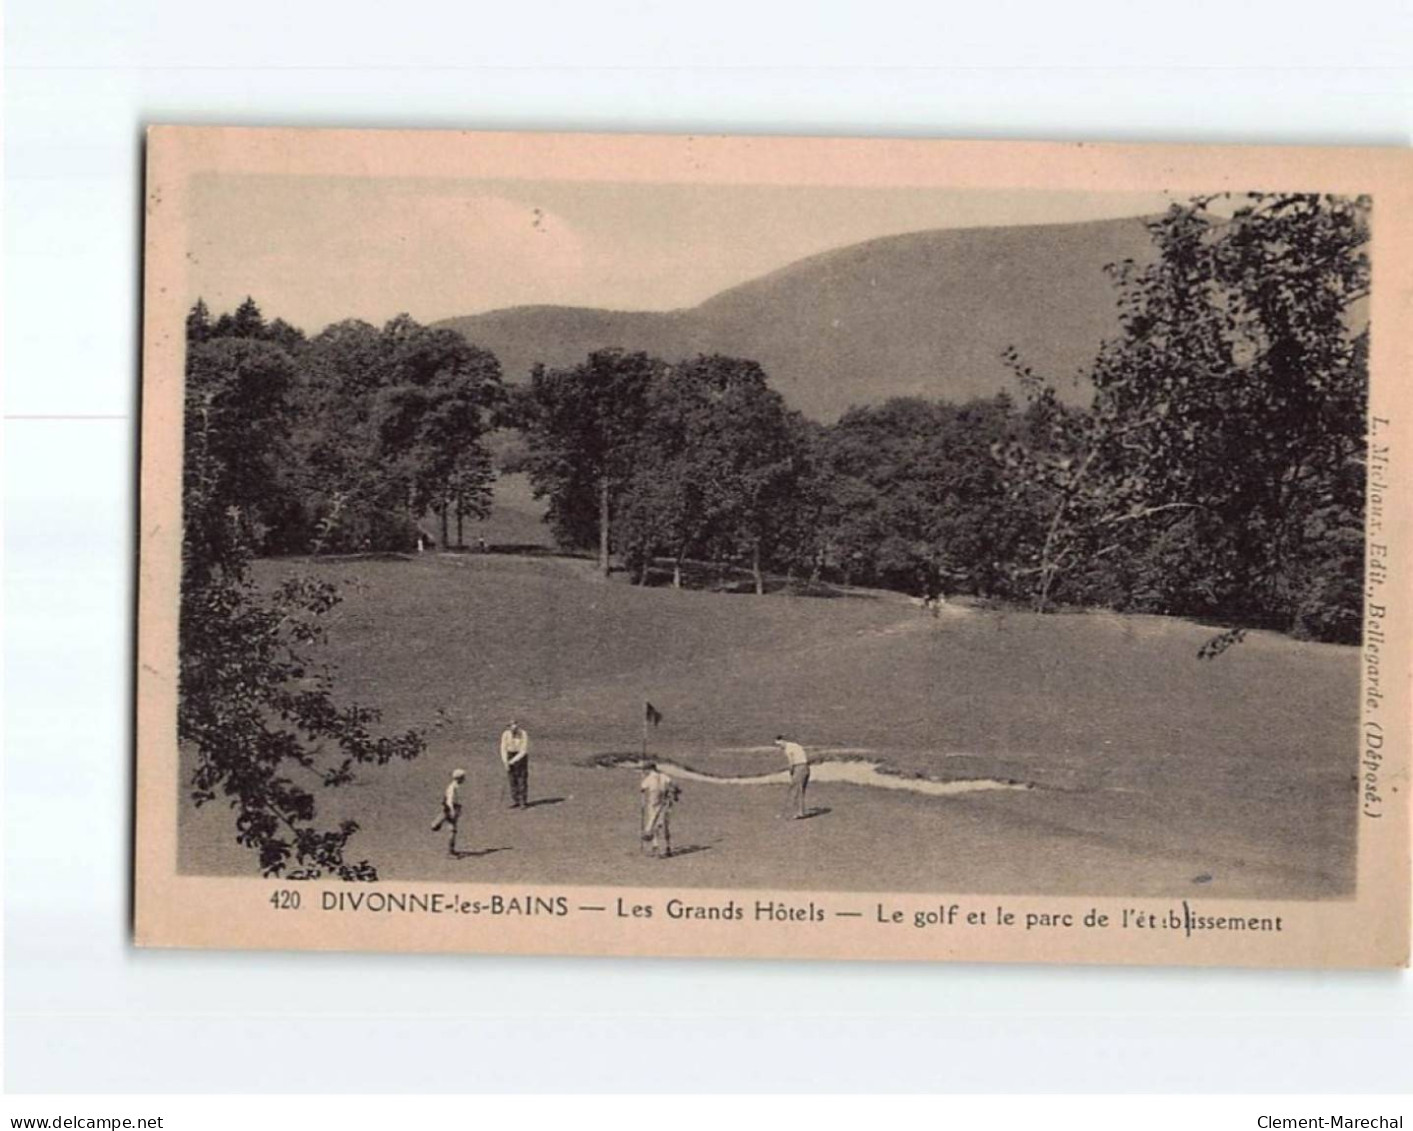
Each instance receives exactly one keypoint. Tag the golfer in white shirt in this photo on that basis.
(799, 776)
(515, 757)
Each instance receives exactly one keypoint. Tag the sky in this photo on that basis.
(315, 250)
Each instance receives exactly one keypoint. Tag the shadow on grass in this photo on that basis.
(352, 556)
(688, 850)
(474, 853)
(528, 550)
(817, 811)
(545, 801)
(729, 579)
(504, 549)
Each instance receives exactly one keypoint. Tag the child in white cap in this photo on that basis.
(451, 808)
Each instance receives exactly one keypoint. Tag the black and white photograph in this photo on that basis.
(553, 534)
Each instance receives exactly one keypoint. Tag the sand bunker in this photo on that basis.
(846, 772)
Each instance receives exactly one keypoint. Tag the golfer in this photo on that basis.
(660, 792)
(515, 757)
(451, 808)
(799, 776)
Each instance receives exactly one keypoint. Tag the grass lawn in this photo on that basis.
(1154, 773)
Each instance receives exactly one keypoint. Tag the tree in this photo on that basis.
(916, 500)
(1227, 428)
(765, 464)
(431, 415)
(715, 465)
(582, 426)
(289, 338)
(1051, 473)
(254, 707)
(976, 531)
(352, 504)
(239, 405)
(679, 491)
(877, 463)
(245, 322)
(396, 420)
(198, 324)
(801, 537)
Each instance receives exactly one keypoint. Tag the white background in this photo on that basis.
(86, 1012)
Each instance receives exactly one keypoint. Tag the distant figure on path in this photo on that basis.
(799, 776)
(451, 808)
(515, 756)
(660, 792)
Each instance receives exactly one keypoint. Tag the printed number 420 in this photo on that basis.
(285, 901)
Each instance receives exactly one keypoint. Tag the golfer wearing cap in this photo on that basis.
(451, 808)
(799, 776)
(660, 792)
(515, 756)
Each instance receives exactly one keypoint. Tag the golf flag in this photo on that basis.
(653, 715)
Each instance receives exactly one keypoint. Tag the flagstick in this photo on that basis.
(645, 730)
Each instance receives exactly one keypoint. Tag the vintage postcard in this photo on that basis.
(775, 547)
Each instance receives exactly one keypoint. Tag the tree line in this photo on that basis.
(1217, 470)
(347, 439)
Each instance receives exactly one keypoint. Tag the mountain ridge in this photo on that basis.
(915, 314)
